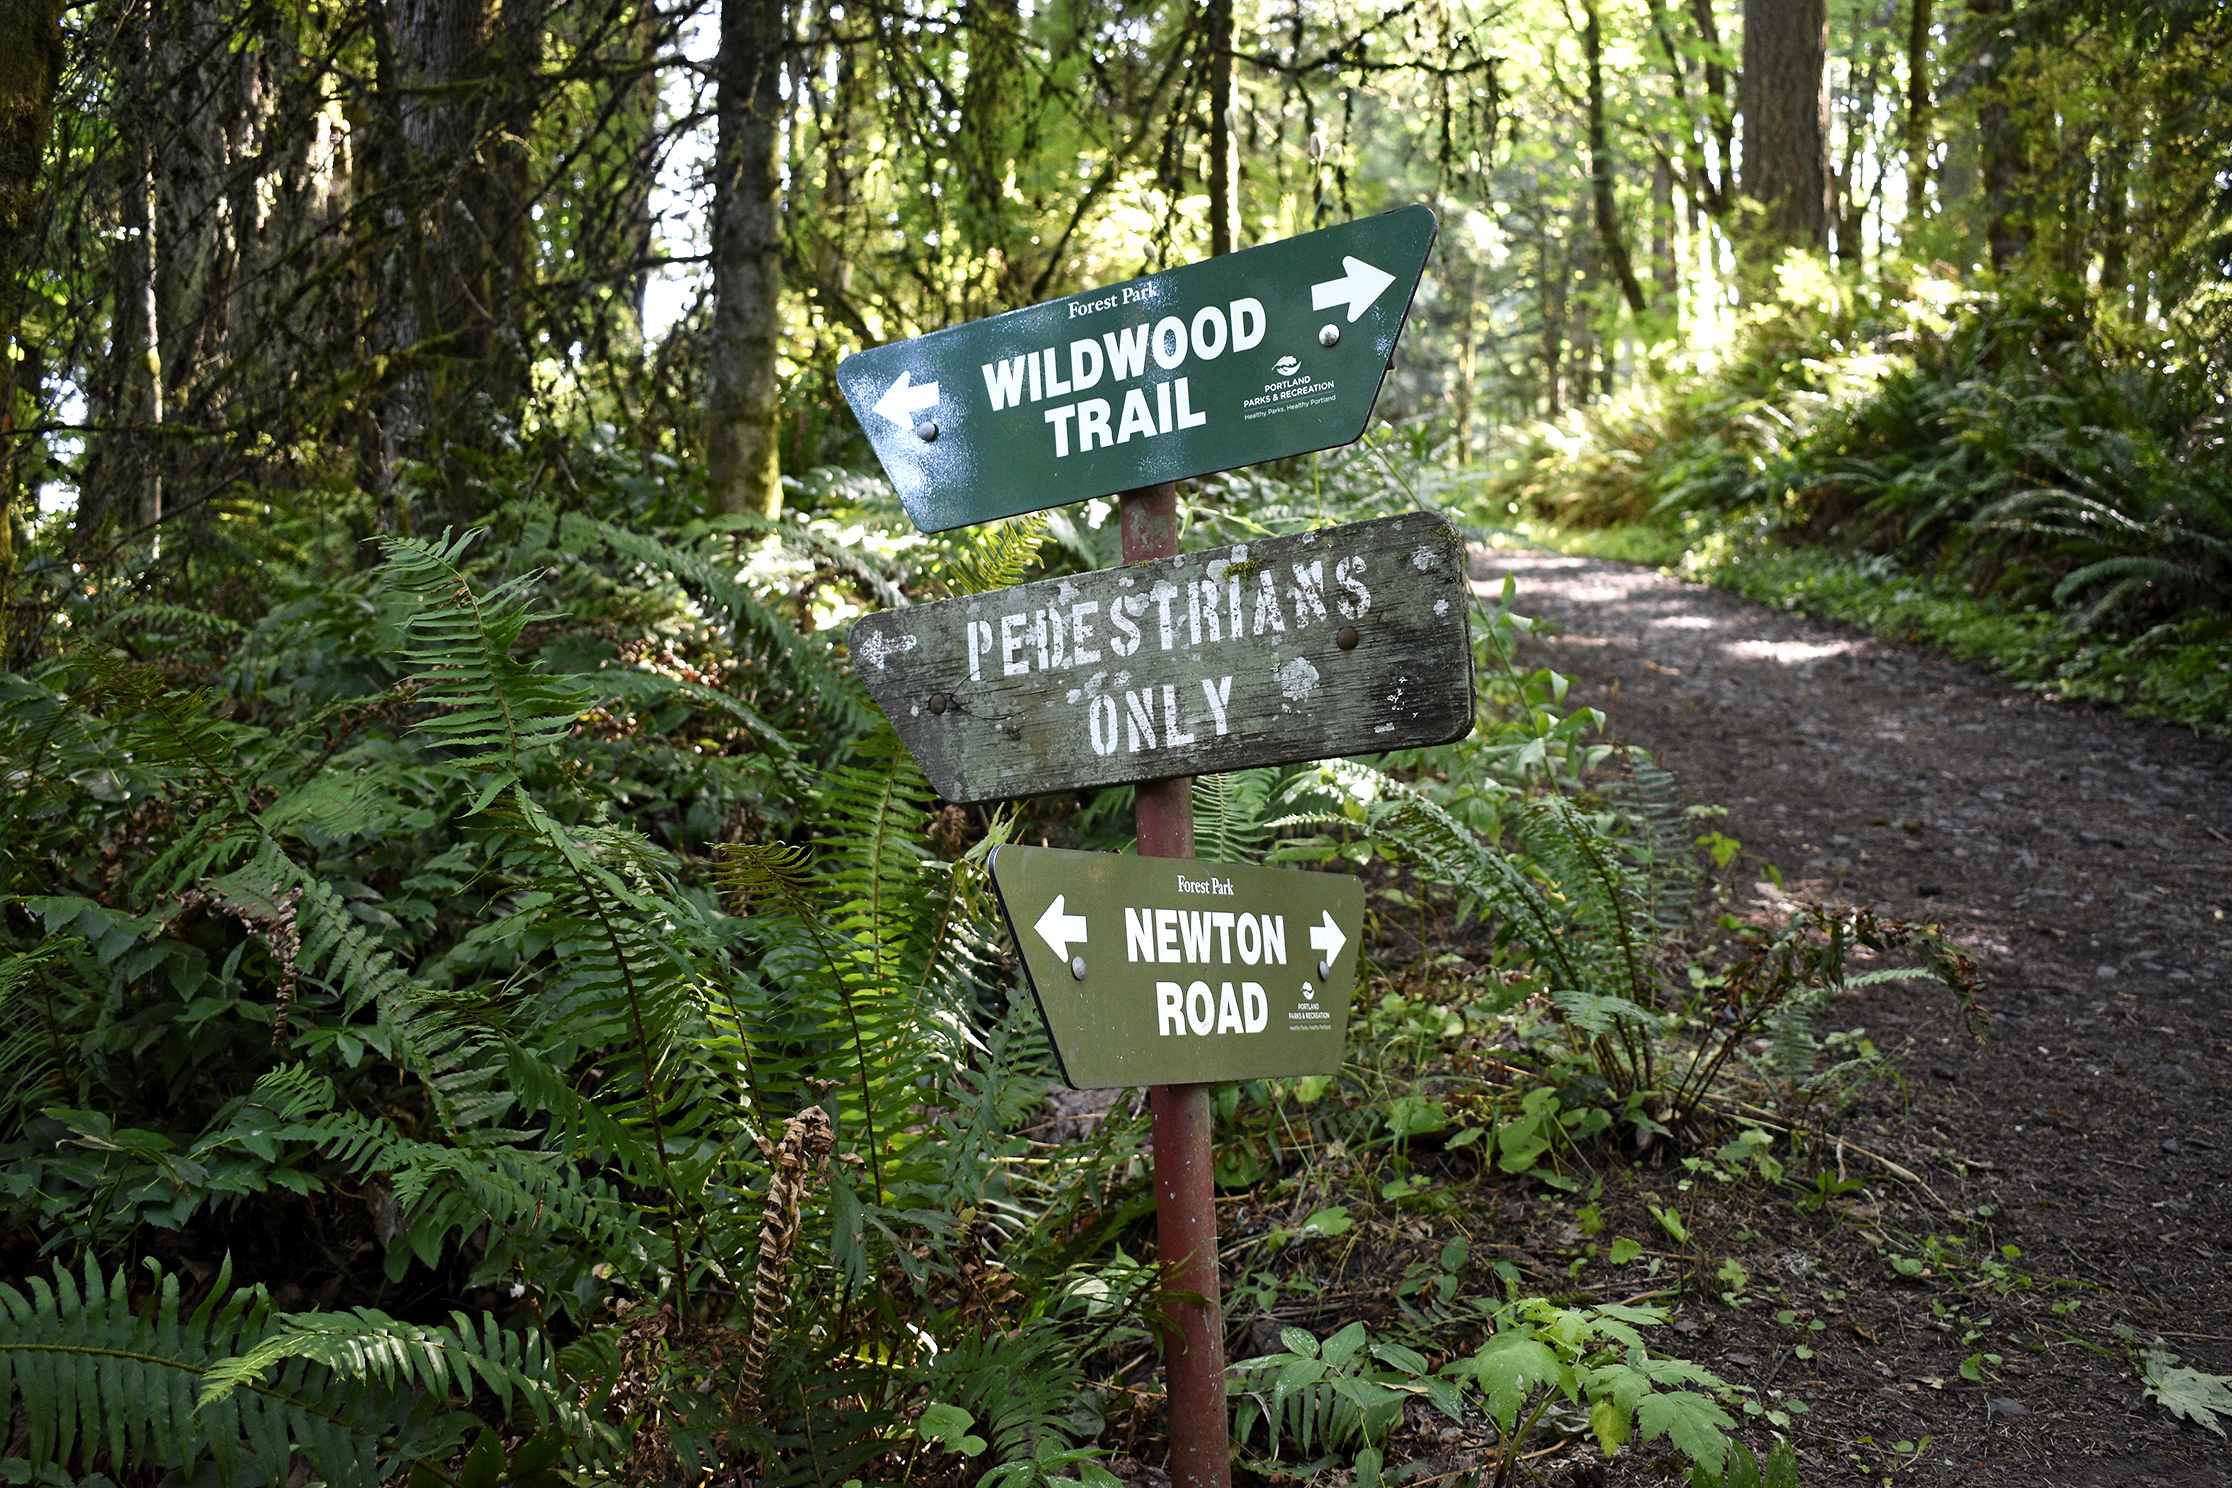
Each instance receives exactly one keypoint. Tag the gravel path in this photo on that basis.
(2086, 860)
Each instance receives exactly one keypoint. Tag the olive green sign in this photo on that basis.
(1347, 640)
(1170, 971)
(1252, 356)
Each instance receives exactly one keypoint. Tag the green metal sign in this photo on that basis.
(1170, 971)
(1253, 356)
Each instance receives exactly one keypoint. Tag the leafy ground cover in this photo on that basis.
(457, 1029)
(2019, 476)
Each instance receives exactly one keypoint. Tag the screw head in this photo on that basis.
(1329, 335)
(927, 431)
(1077, 967)
(1345, 638)
(1325, 968)
(939, 702)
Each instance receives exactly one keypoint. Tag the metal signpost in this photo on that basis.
(1172, 971)
(1347, 641)
(1350, 640)
(1253, 356)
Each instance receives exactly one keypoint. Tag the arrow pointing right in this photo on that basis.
(1058, 929)
(1327, 937)
(1358, 286)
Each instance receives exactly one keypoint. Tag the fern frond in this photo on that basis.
(996, 556)
(1229, 825)
(803, 662)
(491, 708)
(89, 1373)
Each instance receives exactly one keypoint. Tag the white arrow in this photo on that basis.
(1327, 938)
(1058, 929)
(1358, 286)
(903, 398)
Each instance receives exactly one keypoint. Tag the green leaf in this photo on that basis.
(948, 1426)
(2187, 1393)
(1511, 1366)
(1610, 1422)
(1694, 1424)
(1624, 1251)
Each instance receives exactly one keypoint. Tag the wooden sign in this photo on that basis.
(1251, 356)
(1349, 640)
(1170, 971)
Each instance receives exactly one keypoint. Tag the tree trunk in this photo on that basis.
(1224, 163)
(1918, 113)
(1662, 231)
(1698, 181)
(2115, 223)
(2000, 140)
(1716, 97)
(463, 94)
(1786, 128)
(741, 435)
(1553, 293)
(1851, 202)
(992, 104)
(32, 42)
(1600, 165)
(1468, 357)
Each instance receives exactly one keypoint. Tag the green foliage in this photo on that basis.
(244, 1387)
(2021, 477)
(2204, 1399)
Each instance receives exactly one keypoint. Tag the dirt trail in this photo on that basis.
(2086, 860)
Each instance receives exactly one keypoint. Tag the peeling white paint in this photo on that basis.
(1297, 679)
(876, 646)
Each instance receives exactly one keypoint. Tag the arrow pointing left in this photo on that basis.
(1059, 930)
(1360, 284)
(903, 398)
(1327, 937)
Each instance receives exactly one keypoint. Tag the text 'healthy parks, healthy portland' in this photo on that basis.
(1253, 356)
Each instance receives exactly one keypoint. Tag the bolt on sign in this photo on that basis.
(1347, 640)
(1251, 356)
(1170, 971)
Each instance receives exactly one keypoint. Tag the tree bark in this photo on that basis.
(31, 41)
(2000, 140)
(1918, 113)
(1552, 289)
(1786, 127)
(744, 476)
(1699, 182)
(1600, 165)
(1663, 268)
(2115, 222)
(1224, 164)
(463, 96)
(1723, 120)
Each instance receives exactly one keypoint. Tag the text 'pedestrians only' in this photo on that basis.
(1350, 640)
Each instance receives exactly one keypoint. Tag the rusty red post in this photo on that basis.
(1185, 1197)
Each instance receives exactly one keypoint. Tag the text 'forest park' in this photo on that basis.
(1037, 375)
(1234, 600)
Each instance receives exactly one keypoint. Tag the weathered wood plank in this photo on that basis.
(1203, 662)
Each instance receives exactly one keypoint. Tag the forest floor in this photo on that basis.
(2085, 860)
